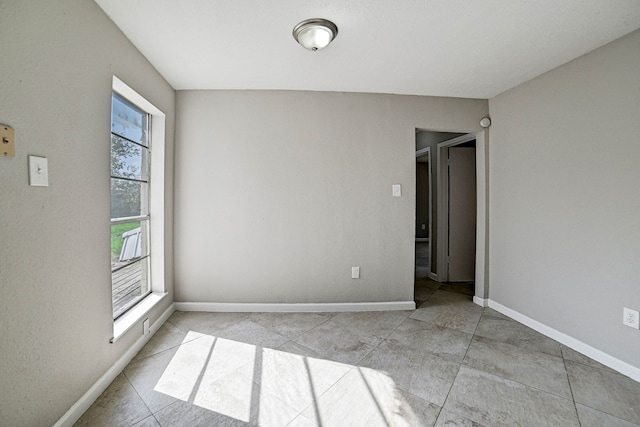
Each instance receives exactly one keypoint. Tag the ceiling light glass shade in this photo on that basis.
(315, 34)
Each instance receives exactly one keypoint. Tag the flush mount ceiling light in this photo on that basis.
(315, 34)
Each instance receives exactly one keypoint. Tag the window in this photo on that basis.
(137, 207)
(130, 196)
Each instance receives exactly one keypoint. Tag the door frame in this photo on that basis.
(482, 225)
(420, 153)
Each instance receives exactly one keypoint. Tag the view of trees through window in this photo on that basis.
(129, 204)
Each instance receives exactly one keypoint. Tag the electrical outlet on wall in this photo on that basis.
(355, 272)
(631, 318)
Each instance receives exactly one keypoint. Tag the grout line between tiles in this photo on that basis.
(513, 380)
(449, 391)
(472, 337)
(573, 399)
(459, 364)
(516, 381)
(163, 351)
(607, 412)
(318, 397)
(139, 397)
(382, 340)
(177, 402)
(313, 327)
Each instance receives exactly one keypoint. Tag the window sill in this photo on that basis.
(133, 316)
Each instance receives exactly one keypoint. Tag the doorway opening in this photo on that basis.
(426, 231)
(454, 253)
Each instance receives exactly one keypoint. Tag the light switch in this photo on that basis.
(7, 141)
(396, 190)
(38, 172)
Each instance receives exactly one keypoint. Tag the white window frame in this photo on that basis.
(156, 210)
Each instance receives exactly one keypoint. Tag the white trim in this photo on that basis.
(577, 345)
(294, 308)
(482, 206)
(482, 302)
(123, 89)
(482, 215)
(421, 152)
(133, 316)
(80, 407)
(433, 276)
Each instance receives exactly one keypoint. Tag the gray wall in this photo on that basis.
(557, 253)
(58, 59)
(279, 194)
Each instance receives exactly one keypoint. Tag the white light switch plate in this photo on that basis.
(355, 272)
(396, 189)
(38, 171)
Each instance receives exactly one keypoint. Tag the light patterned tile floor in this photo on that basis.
(448, 363)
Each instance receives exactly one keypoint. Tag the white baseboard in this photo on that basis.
(577, 345)
(75, 412)
(293, 308)
(482, 302)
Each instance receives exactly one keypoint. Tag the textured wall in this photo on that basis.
(55, 283)
(279, 194)
(565, 201)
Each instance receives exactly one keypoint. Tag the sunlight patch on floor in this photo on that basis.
(272, 387)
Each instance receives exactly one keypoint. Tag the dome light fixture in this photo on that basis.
(315, 34)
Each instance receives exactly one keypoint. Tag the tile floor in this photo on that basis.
(448, 363)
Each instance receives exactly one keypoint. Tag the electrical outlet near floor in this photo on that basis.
(631, 318)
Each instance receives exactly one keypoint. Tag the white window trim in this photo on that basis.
(156, 211)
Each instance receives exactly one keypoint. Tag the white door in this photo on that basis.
(462, 214)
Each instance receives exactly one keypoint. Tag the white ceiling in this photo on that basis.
(458, 48)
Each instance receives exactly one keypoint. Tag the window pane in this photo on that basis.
(129, 241)
(128, 121)
(129, 198)
(128, 160)
(129, 285)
